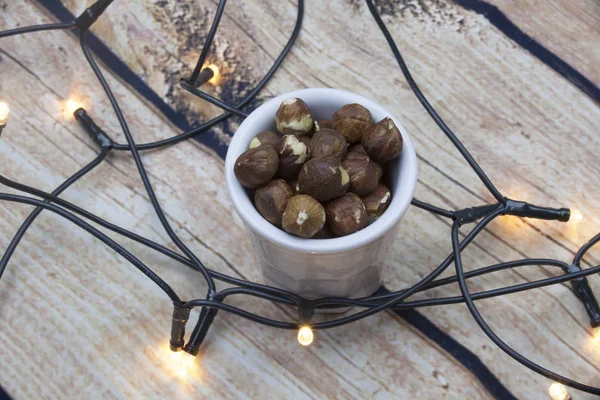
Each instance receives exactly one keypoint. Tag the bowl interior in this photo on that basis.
(401, 173)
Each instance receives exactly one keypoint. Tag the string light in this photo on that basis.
(182, 363)
(576, 216)
(70, 105)
(557, 391)
(4, 110)
(215, 79)
(305, 336)
(596, 333)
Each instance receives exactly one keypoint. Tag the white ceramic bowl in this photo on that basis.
(349, 266)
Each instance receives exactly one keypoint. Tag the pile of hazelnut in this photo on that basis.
(320, 179)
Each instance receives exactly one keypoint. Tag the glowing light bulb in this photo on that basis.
(183, 362)
(70, 105)
(4, 110)
(558, 392)
(215, 71)
(576, 216)
(305, 336)
(596, 333)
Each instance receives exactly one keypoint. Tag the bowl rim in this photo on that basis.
(257, 224)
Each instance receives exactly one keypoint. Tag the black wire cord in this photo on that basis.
(372, 304)
(31, 218)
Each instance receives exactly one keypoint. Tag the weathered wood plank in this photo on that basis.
(569, 29)
(241, 347)
(325, 54)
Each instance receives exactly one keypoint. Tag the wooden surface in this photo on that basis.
(80, 322)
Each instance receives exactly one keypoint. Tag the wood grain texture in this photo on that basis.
(83, 323)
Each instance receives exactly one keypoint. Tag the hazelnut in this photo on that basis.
(324, 233)
(306, 140)
(328, 142)
(323, 178)
(271, 199)
(323, 124)
(294, 118)
(383, 141)
(292, 154)
(303, 216)
(256, 166)
(294, 186)
(357, 148)
(346, 214)
(351, 121)
(377, 202)
(364, 173)
(265, 137)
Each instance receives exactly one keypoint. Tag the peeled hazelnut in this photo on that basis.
(303, 216)
(256, 166)
(265, 137)
(377, 202)
(346, 214)
(323, 178)
(294, 118)
(323, 124)
(364, 173)
(292, 154)
(324, 233)
(383, 141)
(328, 142)
(351, 121)
(271, 199)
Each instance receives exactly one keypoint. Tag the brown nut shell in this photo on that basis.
(383, 141)
(364, 173)
(306, 140)
(377, 202)
(357, 148)
(303, 216)
(323, 178)
(292, 154)
(346, 215)
(351, 121)
(324, 233)
(271, 199)
(268, 138)
(256, 166)
(294, 186)
(294, 118)
(323, 124)
(328, 142)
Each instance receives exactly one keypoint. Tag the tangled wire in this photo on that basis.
(215, 299)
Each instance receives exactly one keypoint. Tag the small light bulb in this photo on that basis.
(558, 392)
(215, 71)
(576, 216)
(183, 362)
(69, 107)
(305, 336)
(596, 333)
(4, 110)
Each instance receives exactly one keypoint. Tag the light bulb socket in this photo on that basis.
(306, 310)
(2, 126)
(205, 320)
(523, 209)
(204, 76)
(180, 318)
(95, 132)
(584, 292)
